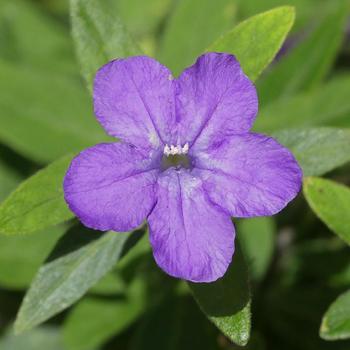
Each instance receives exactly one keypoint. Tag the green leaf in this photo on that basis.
(327, 105)
(257, 237)
(99, 35)
(38, 202)
(336, 322)
(144, 20)
(57, 8)
(9, 179)
(307, 65)
(331, 203)
(48, 338)
(256, 41)
(226, 302)
(45, 116)
(142, 17)
(75, 265)
(21, 256)
(94, 320)
(185, 38)
(21, 25)
(318, 150)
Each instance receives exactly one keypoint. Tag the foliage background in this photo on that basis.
(298, 262)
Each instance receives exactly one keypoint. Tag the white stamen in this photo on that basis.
(173, 150)
(166, 150)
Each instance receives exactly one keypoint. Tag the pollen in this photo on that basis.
(174, 150)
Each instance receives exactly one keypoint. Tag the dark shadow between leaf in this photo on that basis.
(228, 295)
(79, 236)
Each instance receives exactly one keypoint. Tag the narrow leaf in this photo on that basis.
(75, 265)
(336, 322)
(45, 116)
(256, 41)
(331, 203)
(307, 65)
(99, 35)
(38, 202)
(226, 302)
(327, 105)
(185, 38)
(318, 150)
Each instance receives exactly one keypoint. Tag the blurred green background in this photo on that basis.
(297, 265)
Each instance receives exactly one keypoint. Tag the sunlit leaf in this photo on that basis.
(38, 202)
(256, 41)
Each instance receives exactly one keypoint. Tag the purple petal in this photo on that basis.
(214, 96)
(111, 187)
(191, 238)
(134, 100)
(250, 175)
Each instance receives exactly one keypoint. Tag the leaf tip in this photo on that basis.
(18, 327)
(21, 325)
(307, 180)
(244, 338)
(324, 329)
(285, 9)
(290, 13)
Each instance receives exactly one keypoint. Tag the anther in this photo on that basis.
(174, 150)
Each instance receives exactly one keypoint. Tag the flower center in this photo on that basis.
(176, 156)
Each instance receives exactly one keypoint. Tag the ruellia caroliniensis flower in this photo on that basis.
(186, 161)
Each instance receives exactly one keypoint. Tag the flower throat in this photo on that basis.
(176, 156)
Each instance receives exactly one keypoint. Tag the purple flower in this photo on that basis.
(187, 161)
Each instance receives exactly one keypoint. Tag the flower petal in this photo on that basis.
(250, 175)
(191, 238)
(134, 100)
(111, 187)
(214, 96)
